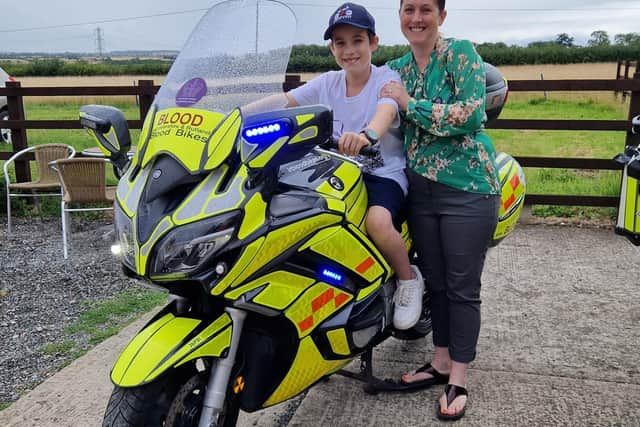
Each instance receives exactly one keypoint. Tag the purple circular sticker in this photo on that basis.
(191, 92)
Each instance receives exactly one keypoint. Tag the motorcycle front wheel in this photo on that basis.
(166, 403)
(187, 406)
(141, 406)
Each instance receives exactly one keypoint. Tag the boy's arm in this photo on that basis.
(273, 102)
(351, 142)
(384, 118)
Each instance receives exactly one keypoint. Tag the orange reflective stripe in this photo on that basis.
(515, 181)
(365, 265)
(340, 299)
(321, 300)
(306, 323)
(507, 203)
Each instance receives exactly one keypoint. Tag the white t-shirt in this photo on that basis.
(353, 113)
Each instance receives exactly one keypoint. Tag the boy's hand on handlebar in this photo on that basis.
(351, 143)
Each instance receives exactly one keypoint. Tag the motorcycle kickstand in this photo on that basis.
(373, 385)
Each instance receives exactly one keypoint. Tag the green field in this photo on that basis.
(562, 144)
(587, 144)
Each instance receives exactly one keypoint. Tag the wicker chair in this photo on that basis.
(83, 182)
(46, 182)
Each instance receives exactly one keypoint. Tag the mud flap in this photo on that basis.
(169, 341)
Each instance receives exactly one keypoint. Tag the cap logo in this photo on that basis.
(344, 13)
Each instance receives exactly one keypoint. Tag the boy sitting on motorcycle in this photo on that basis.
(360, 118)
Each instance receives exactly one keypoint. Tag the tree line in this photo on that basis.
(562, 50)
(46, 67)
(315, 58)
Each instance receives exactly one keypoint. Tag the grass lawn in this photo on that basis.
(101, 320)
(575, 144)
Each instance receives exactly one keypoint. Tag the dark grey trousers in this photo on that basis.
(451, 231)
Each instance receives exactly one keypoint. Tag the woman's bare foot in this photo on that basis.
(452, 403)
(441, 364)
(455, 407)
(420, 375)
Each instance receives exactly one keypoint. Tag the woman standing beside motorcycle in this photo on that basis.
(454, 189)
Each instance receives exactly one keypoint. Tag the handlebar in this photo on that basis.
(367, 150)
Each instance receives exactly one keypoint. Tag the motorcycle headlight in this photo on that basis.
(124, 235)
(187, 248)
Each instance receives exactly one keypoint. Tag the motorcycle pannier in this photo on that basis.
(629, 208)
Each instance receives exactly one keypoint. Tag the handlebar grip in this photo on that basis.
(367, 150)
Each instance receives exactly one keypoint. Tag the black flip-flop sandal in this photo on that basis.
(436, 378)
(452, 392)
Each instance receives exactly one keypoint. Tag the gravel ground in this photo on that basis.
(41, 294)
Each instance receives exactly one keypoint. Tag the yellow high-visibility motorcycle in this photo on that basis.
(256, 231)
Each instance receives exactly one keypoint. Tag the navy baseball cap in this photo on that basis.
(351, 14)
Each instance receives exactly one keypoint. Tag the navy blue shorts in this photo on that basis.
(387, 193)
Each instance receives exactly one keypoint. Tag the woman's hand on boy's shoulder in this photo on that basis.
(397, 92)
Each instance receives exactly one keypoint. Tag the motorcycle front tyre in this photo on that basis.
(155, 404)
(142, 406)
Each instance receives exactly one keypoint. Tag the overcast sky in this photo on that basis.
(130, 25)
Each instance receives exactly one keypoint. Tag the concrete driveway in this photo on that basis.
(559, 346)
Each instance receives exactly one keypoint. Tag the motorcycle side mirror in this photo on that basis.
(110, 129)
(635, 125)
(622, 159)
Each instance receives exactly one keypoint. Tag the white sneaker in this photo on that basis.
(408, 301)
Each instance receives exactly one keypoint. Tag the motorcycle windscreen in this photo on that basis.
(238, 53)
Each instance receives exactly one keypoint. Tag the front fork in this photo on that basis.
(221, 372)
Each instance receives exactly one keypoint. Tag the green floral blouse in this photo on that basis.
(443, 126)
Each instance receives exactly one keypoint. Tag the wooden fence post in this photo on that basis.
(634, 109)
(19, 142)
(145, 97)
(291, 81)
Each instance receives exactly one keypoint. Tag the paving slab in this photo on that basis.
(496, 398)
(558, 346)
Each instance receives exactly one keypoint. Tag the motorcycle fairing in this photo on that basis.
(315, 305)
(145, 136)
(266, 250)
(218, 192)
(199, 140)
(308, 367)
(337, 179)
(129, 189)
(346, 249)
(209, 198)
(281, 288)
(170, 341)
(338, 341)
